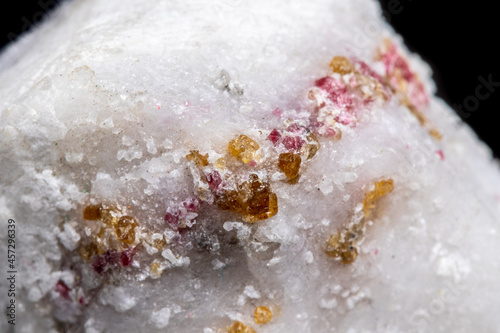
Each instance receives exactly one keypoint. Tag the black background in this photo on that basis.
(458, 39)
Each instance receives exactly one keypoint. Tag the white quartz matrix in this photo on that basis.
(356, 201)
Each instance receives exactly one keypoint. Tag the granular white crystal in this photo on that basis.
(160, 318)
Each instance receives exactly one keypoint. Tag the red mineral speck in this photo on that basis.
(277, 112)
(126, 257)
(252, 164)
(296, 129)
(62, 289)
(367, 71)
(192, 204)
(274, 136)
(330, 132)
(337, 91)
(214, 180)
(81, 300)
(326, 83)
(171, 219)
(346, 118)
(112, 257)
(441, 154)
(293, 143)
(400, 75)
(99, 263)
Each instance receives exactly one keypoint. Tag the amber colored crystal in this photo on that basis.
(435, 134)
(313, 146)
(259, 202)
(244, 148)
(195, 156)
(420, 117)
(125, 229)
(253, 198)
(109, 216)
(220, 163)
(155, 269)
(343, 244)
(339, 247)
(92, 212)
(159, 244)
(229, 200)
(262, 315)
(86, 252)
(239, 327)
(382, 188)
(289, 164)
(341, 65)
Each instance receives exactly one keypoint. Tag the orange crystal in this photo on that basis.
(159, 244)
(341, 65)
(313, 146)
(289, 164)
(86, 252)
(253, 198)
(156, 269)
(381, 189)
(200, 160)
(92, 212)
(244, 148)
(125, 229)
(239, 327)
(339, 247)
(343, 244)
(262, 315)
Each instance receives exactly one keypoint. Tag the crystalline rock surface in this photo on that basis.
(239, 166)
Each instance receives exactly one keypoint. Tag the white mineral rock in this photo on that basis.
(356, 201)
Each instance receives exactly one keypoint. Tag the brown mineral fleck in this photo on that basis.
(239, 327)
(435, 134)
(110, 216)
(341, 65)
(253, 198)
(262, 315)
(313, 146)
(259, 202)
(289, 164)
(382, 188)
(244, 148)
(92, 212)
(86, 252)
(125, 229)
(420, 117)
(339, 247)
(263, 205)
(220, 163)
(200, 160)
(343, 244)
(159, 244)
(156, 269)
(229, 200)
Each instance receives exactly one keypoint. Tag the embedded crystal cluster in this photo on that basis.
(240, 167)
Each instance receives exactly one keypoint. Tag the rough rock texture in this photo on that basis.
(184, 166)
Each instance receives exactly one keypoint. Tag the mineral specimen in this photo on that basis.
(230, 166)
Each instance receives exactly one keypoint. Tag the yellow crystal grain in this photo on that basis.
(244, 149)
(239, 327)
(262, 315)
